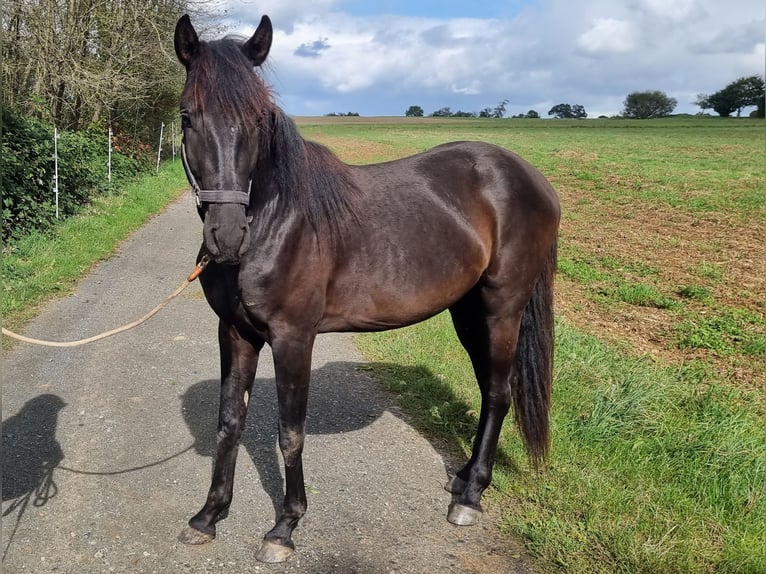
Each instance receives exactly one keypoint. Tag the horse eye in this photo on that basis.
(185, 121)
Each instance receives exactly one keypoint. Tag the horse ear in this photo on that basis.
(185, 40)
(257, 47)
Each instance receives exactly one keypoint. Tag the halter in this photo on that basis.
(213, 195)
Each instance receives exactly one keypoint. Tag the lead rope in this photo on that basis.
(192, 276)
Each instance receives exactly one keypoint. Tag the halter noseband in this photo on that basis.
(213, 195)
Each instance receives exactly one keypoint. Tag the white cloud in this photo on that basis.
(472, 90)
(607, 36)
(677, 10)
(592, 52)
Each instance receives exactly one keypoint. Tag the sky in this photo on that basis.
(379, 57)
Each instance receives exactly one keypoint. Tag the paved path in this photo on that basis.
(107, 448)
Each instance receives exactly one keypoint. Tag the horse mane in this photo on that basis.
(304, 175)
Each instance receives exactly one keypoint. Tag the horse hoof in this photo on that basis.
(461, 515)
(194, 537)
(273, 553)
(455, 485)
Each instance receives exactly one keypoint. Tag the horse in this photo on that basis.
(300, 243)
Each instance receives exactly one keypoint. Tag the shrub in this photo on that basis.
(27, 172)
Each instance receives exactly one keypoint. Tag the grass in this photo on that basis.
(659, 459)
(657, 465)
(41, 266)
(653, 468)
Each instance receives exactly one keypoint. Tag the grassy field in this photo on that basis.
(659, 416)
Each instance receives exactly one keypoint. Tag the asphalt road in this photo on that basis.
(107, 448)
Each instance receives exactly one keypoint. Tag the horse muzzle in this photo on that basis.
(227, 239)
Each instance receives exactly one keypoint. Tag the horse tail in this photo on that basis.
(531, 390)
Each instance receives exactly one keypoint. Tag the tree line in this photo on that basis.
(740, 94)
(80, 67)
(82, 63)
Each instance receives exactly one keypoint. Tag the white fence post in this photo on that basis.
(159, 149)
(109, 162)
(56, 167)
(173, 137)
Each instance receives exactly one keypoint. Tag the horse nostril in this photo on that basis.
(243, 247)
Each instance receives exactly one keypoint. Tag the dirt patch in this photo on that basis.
(723, 255)
(356, 151)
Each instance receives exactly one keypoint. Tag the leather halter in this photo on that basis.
(213, 195)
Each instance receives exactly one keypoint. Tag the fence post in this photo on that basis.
(109, 163)
(159, 149)
(56, 167)
(173, 137)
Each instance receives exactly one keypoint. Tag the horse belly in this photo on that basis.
(398, 288)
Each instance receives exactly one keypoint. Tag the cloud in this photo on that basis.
(607, 36)
(312, 49)
(472, 90)
(592, 52)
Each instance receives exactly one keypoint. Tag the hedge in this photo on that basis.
(27, 170)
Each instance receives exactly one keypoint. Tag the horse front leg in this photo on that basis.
(239, 359)
(292, 364)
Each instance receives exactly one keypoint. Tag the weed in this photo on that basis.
(638, 294)
(696, 292)
(705, 270)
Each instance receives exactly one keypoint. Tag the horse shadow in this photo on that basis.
(343, 397)
(30, 455)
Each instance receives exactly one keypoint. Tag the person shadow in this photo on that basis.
(342, 398)
(30, 453)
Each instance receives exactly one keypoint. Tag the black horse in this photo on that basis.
(300, 243)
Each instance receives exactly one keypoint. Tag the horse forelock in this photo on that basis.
(223, 80)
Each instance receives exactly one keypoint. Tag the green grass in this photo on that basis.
(700, 164)
(657, 466)
(723, 331)
(41, 266)
(653, 469)
(638, 294)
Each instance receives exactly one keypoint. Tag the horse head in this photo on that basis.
(221, 105)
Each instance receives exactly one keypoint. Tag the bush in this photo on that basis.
(28, 201)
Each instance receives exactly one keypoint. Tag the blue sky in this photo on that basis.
(380, 57)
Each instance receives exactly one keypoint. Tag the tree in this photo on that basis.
(442, 113)
(652, 104)
(724, 101)
(568, 111)
(703, 102)
(414, 112)
(499, 110)
(561, 111)
(737, 95)
(748, 91)
(532, 114)
(80, 62)
(485, 113)
(578, 112)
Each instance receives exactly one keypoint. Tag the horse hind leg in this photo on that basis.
(488, 329)
(471, 329)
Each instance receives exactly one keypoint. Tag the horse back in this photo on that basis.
(430, 226)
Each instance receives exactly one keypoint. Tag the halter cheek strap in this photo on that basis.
(213, 195)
